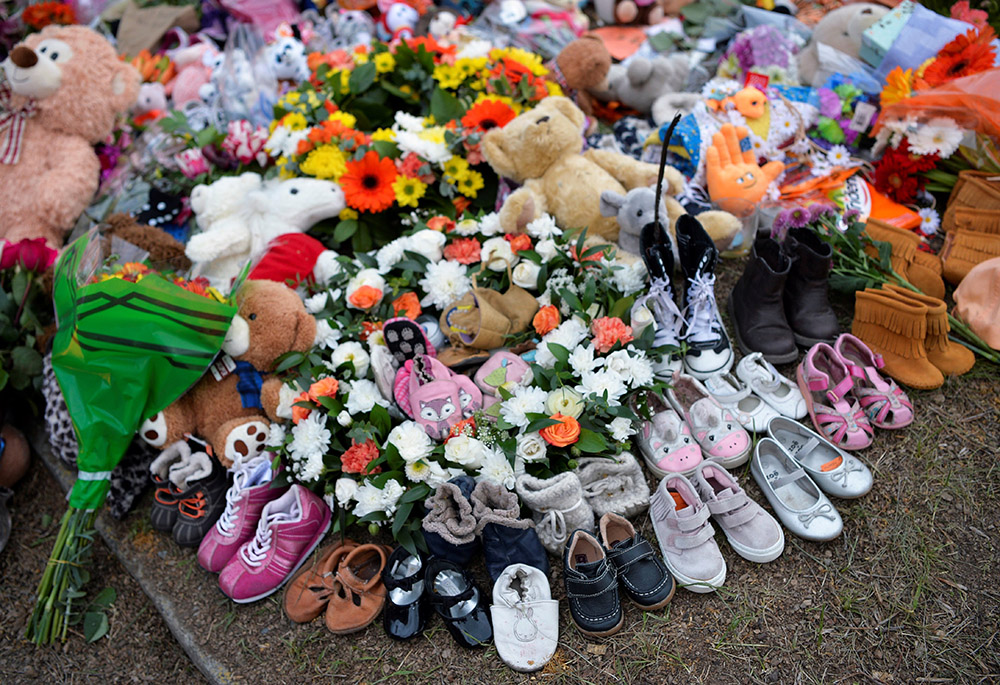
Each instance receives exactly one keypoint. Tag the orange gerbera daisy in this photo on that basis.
(897, 86)
(367, 184)
(968, 54)
(488, 114)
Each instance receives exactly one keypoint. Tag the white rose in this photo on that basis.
(530, 447)
(344, 419)
(641, 318)
(564, 401)
(546, 249)
(526, 274)
(620, 362)
(286, 398)
(353, 352)
(427, 243)
(466, 451)
(345, 489)
(496, 254)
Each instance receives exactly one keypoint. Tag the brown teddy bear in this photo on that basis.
(584, 65)
(540, 149)
(64, 88)
(165, 252)
(234, 412)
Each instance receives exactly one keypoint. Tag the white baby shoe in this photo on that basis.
(525, 618)
(771, 386)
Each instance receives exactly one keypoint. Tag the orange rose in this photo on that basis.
(518, 242)
(562, 434)
(299, 413)
(464, 251)
(546, 319)
(408, 305)
(325, 387)
(440, 223)
(366, 297)
(609, 330)
(596, 257)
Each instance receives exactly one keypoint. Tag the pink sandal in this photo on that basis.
(823, 376)
(885, 404)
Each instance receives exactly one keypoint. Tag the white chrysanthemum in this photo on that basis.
(309, 470)
(440, 475)
(496, 469)
(427, 144)
(326, 335)
(310, 437)
(410, 441)
(362, 397)
(445, 282)
(345, 489)
(284, 142)
(497, 254)
(929, 220)
(370, 499)
(389, 255)
(581, 359)
(275, 435)
(391, 492)
(543, 227)
(621, 429)
(597, 383)
(838, 155)
(641, 370)
(351, 352)
(525, 401)
(489, 224)
(408, 122)
(316, 303)
(547, 250)
(630, 278)
(937, 137)
(619, 362)
(466, 228)
(465, 450)
(417, 471)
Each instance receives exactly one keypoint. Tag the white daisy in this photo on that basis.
(445, 282)
(801, 146)
(466, 227)
(838, 155)
(930, 221)
(417, 471)
(939, 136)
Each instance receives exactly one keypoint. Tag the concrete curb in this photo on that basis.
(211, 668)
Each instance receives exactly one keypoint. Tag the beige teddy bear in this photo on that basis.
(540, 149)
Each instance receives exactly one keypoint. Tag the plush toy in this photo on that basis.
(540, 149)
(352, 28)
(238, 219)
(629, 11)
(164, 251)
(840, 29)
(296, 257)
(151, 104)
(233, 405)
(584, 65)
(287, 59)
(398, 20)
(194, 70)
(64, 88)
(653, 85)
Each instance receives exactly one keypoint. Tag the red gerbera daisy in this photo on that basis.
(486, 115)
(968, 54)
(897, 173)
(367, 184)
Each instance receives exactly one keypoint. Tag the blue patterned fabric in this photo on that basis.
(249, 385)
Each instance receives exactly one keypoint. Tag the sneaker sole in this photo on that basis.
(787, 358)
(305, 555)
(602, 633)
(702, 375)
(759, 556)
(733, 462)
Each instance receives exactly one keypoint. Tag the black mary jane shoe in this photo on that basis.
(459, 602)
(405, 612)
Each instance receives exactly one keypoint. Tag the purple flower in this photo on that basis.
(780, 226)
(818, 210)
(798, 217)
(829, 103)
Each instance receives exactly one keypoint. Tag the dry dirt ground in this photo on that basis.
(910, 593)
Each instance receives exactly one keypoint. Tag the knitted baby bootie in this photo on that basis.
(507, 538)
(614, 485)
(449, 526)
(558, 507)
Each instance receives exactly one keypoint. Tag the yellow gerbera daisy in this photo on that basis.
(408, 190)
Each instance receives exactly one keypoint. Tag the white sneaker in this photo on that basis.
(525, 618)
(751, 411)
(771, 386)
(667, 323)
(708, 348)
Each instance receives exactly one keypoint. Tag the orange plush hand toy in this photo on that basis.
(732, 172)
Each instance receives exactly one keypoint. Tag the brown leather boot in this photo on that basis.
(964, 249)
(896, 329)
(904, 257)
(951, 358)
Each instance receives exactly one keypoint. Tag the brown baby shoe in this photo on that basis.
(309, 590)
(951, 358)
(358, 593)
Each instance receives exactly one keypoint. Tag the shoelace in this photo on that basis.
(234, 495)
(255, 553)
(702, 312)
(667, 314)
(555, 521)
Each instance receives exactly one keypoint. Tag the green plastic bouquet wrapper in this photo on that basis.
(123, 352)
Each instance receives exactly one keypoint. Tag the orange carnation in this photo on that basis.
(609, 330)
(521, 241)
(464, 251)
(546, 319)
(357, 457)
(299, 413)
(325, 387)
(408, 305)
(561, 434)
(366, 297)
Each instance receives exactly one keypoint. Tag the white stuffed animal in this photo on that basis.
(287, 59)
(239, 216)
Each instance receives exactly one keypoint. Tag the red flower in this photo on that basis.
(897, 173)
(412, 166)
(440, 223)
(367, 184)
(486, 115)
(42, 14)
(464, 251)
(369, 327)
(357, 457)
(518, 242)
(609, 331)
(460, 204)
(967, 54)
(31, 253)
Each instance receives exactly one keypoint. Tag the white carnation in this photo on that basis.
(391, 492)
(286, 398)
(621, 429)
(427, 243)
(630, 278)
(316, 303)
(389, 255)
(410, 441)
(362, 397)
(496, 469)
(489, 224)
(370, 499)
(445, 282)
(326, 335)
(466, 228)
(327, 267)
(543, 227)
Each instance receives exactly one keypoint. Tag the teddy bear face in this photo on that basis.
(585, 64)
(530, 143)
(77, 79)
(271, 321)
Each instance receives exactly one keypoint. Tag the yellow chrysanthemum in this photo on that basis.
(294, 121)
(448, 76)
(384, 62)
(408, 191)
(312, 99)
(471, 184)
(346, 118)
(326, 161)
(346, 214)
(530, 60)
(455, 169)
(345, 77)
(554, 88)
(897, 86)
(289, 98)
(360, 57)
(386, 134)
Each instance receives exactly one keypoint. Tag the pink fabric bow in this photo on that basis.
(12, 123)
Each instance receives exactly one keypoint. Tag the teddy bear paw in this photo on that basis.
(154, 430)
(246, 441)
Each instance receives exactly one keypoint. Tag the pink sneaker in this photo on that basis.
(885, 405)
(666, 441)
(250, 491)
(823, 377)
(290, 528)
(718, 433)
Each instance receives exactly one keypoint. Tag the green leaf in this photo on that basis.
(361, 78)
(381, 420)
(884, 255)
(620, 307)
(830, 130)
(288, 360)
(3, 379)
(405, 538)
(559, 352)
(848, 284)
(402, 514)
(591, 442)
(95, 626)
(445, 107)
(539, 424)
(105, 598)
(385, 148)
(345, 229)
(416, 493)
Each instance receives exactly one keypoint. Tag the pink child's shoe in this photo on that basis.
(290, 528)
(718, 433)
(885, 405)
(666, 441)
(824, 377)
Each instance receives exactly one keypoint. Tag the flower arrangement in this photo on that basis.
(399, 127)
(764, 50)
(41, 14)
